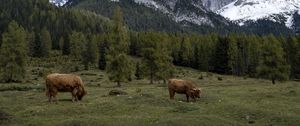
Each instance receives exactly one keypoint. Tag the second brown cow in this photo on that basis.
(186, 87)
(64, 83)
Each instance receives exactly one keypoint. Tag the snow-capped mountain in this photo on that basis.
(58, 2)
(181, 11)
(275, 10)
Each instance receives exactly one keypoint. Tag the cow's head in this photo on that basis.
(81, 92)
(197, 92)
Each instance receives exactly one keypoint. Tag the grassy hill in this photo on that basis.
(232, 101)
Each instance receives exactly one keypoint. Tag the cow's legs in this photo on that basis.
(50, 98)
(55, 98)
(74, 97)
(187, 98)
(172, 93)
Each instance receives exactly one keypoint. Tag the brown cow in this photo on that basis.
(64, 83)
(186, 87)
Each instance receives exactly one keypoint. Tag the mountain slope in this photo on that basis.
(171, 16)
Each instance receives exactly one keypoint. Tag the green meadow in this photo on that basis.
(227, 102)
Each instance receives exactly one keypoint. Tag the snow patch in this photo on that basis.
(244, 10)
(58, 2)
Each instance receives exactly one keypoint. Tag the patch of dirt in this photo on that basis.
(117, 93)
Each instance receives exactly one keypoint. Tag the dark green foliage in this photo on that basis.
(291, 48)
(138, 71)
(185, 52)
(34, 15)
(120, 69)
(77, 45)
(13, 53)
(102, 54)
(272, 63)
(157, 64)
(90, 53)
(46, 43)
(221, 56)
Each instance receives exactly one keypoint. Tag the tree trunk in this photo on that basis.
(86, 67)
(151, 78)
(119, 84)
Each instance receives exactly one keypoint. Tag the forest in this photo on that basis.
(94, 41)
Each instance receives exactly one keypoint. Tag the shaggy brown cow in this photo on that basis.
(64, 83)
(183, 87)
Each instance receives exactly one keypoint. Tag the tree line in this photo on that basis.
(270, 57)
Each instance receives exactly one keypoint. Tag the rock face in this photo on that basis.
(215, 5)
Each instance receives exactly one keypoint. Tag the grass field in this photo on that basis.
(232, 101)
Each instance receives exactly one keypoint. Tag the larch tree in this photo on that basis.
(13, 54)
(77, 45)
(46, 43)
(120, 66)
(272, 62)
(89, 55)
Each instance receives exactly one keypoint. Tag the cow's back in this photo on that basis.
(179, 86)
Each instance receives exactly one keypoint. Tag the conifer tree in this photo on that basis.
(138, 71)
(13, 54)
(220, 57)
(46, 43)
(102, 55)
(90, 53)
(185, 52)
(290, 47)
(272, 63)
(157, 64)
(120, 67)
(77, 45)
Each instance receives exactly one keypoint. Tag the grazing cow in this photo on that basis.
(186, 87)
(64, 83)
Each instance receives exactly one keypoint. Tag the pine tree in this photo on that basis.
(90, 53)
(102, 55)
(46, 43)
(138, 71)
(185, 52)
(157, 64)
(77, 45)
(272, 63)
(290, 47)
(13, 54)
(61, 44)
(220, 57)
(120, 69)
(233, 54)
